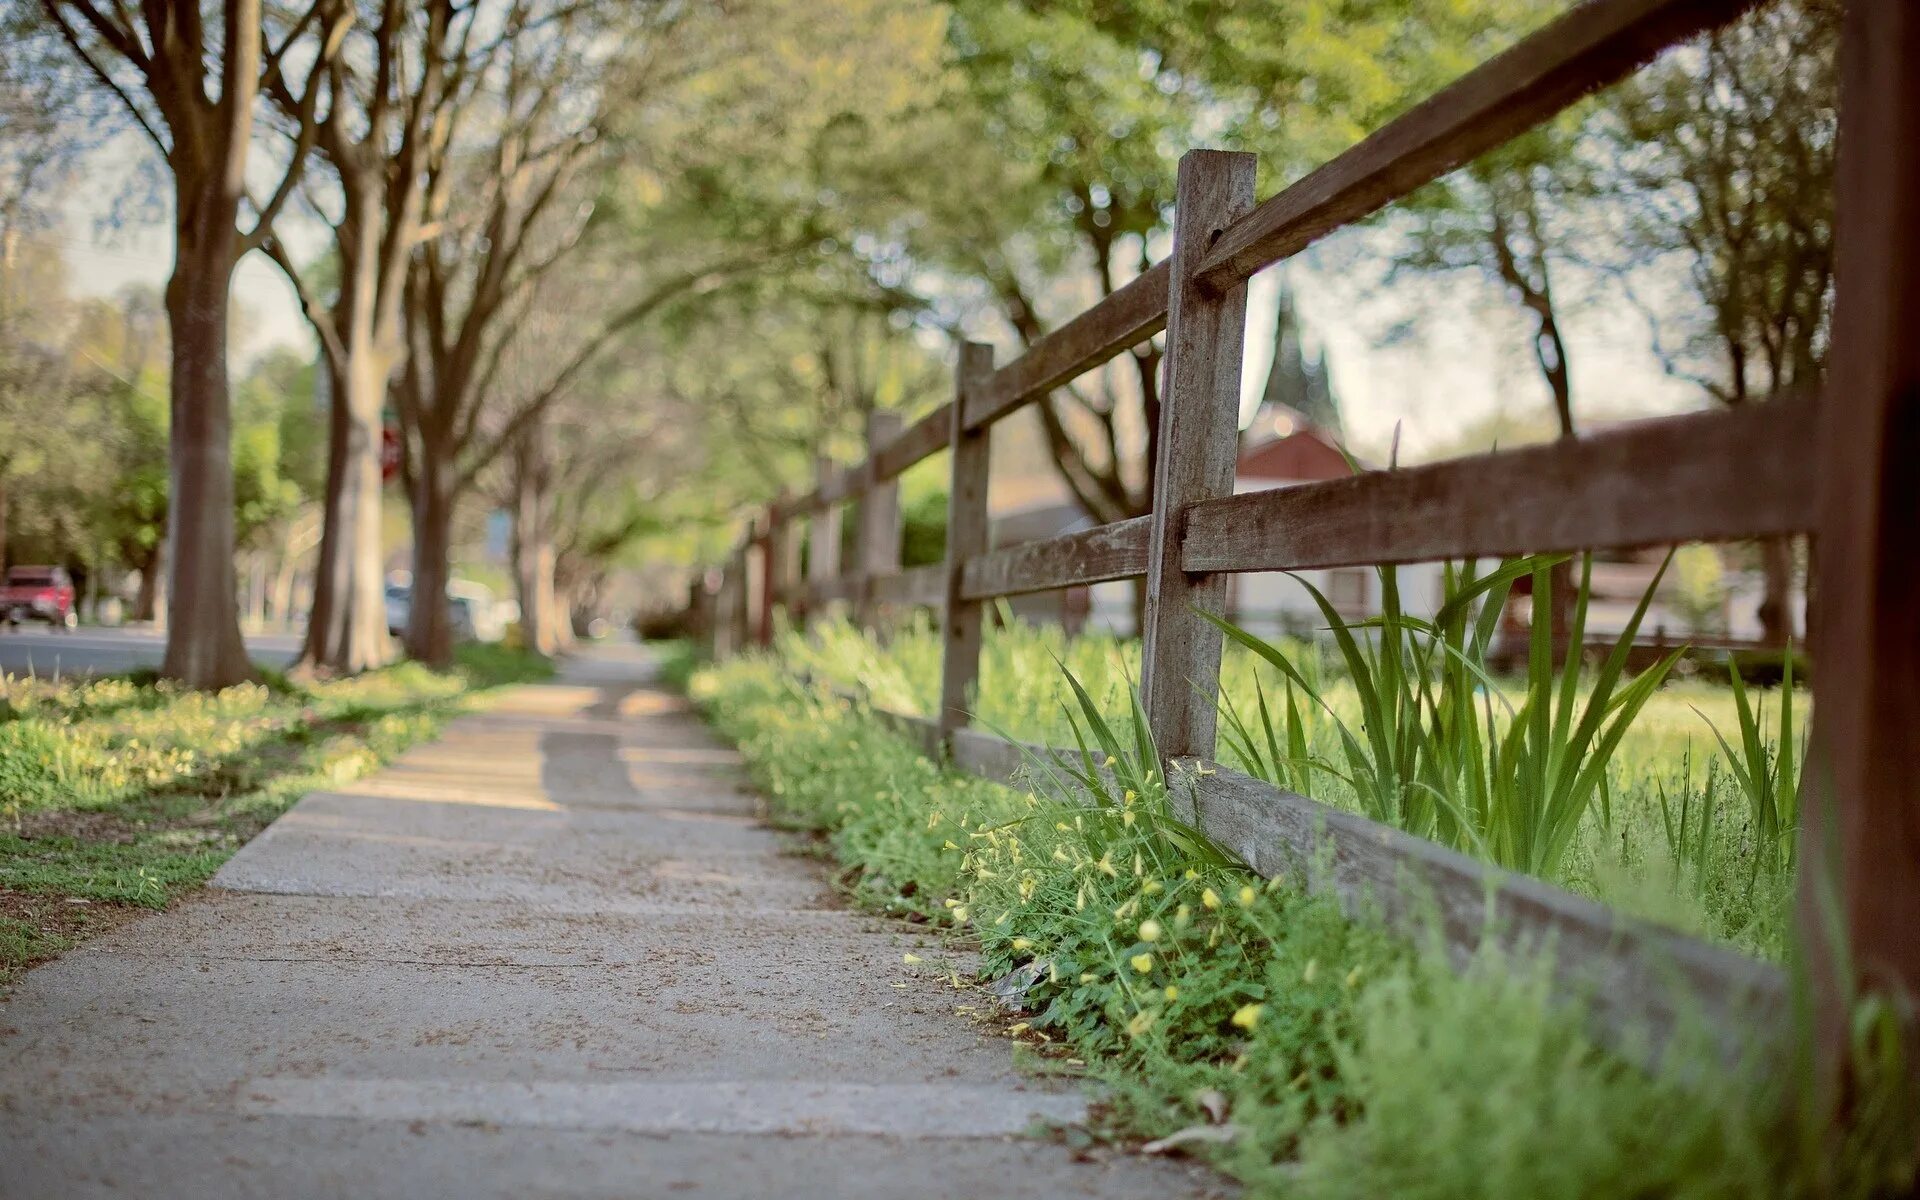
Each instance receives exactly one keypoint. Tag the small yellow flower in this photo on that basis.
(1018, 1029)
(1139, 868)
(933, 818)
(1171, 992)
(1248, 1015)
(1126, 819)
(1210, 899)
(1129, 798)
(961, 913)
(1142, 963)
(1152, 887)
(1023, 943)
(1106, 867)
(1352, 978)
(911, 957)
(1109, 764)
(1142, 1021)
(949, 845)
(1247, 897)
(1087, 977)
(1313, 968)
(1149, 930)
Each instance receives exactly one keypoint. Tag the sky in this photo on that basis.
(1462, 355)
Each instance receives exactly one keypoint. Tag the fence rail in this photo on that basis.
(1838, 469)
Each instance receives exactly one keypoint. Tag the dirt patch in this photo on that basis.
(82, 826)
(52, 925)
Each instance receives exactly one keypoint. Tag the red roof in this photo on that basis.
(1303, 456)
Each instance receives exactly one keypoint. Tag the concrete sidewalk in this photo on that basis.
(553, 953)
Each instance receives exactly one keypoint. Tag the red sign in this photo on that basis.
(389, 453)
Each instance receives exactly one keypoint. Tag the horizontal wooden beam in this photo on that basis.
(1116, 551)
(923, 586)
(1595, 44)
(1639, 979)
(1704, 477)
(922, 439)
(826, 591)
(1129, 316)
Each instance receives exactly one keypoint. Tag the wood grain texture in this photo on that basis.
(1116, 551)
(915, 587)
(1640, 979)
(1861, 831)
(1707, 476)
(1593, 45)
(823, 544)
(966, 537)
(877, 527)
(1199, 439)
(922, 439)
(1131, 315)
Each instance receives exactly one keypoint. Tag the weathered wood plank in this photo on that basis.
(823, 545)
(1706, 476)
(1639, 978)
(966, 538)
(877, 526)
(1199, 438)
(1131, 315)
(914, 587)
(1861, 831)
(1595, 44)
(922, 439)
(1116, 551)
(822, 592)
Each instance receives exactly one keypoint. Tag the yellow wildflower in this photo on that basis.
(1248, 1015)
(1023, 943)
(911, 957)
(1142, 963)
(1247, 897)
(1142, 1021)
(1210, 899)
(1149, 930)
(1171, 992)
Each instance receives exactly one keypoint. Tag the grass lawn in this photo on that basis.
(120, 794)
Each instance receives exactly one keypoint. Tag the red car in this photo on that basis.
(38, 594)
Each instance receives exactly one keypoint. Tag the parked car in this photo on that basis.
(472, 613)
(399, 608)
(38, 594)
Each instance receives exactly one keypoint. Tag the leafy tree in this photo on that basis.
(1727, 157)
(188, 77)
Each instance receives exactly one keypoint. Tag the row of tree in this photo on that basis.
(623, 269)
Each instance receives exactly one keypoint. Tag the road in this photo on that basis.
(90, 651)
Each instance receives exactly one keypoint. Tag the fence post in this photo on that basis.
(739, 601)
(783, 561)
(1860, 832)
(757, 570)
(966, 537)
(1199, 434)
(878, 525)
(823, 539)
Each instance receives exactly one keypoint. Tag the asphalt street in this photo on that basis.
(92, 651)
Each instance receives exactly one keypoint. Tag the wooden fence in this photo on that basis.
(1842, 469)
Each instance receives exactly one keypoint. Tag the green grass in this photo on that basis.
(124, 792)
(1344, 1062)
(1580, 776)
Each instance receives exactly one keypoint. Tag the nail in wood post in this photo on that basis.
(823, 541)
(1861, 827)
(966, 538)
(1199, 433)
(879, 520)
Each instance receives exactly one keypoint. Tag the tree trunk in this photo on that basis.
(146, 600)
(1776, 604)
(347, 627)
(204, 647)
(429, 632)
(541, 618)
